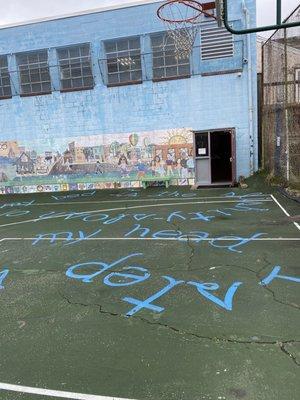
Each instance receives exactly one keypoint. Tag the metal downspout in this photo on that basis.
(250, 89)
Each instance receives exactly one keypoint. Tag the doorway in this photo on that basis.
(215, 157)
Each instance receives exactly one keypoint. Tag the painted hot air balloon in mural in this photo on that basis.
(133, 139)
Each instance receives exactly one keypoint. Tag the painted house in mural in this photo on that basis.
(99, 99)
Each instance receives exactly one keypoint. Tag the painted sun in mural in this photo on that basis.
(181, 136)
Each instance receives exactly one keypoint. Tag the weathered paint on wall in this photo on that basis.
(40, 129)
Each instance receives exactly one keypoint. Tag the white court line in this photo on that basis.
(141, 239)
(284, 210)
(55, 393)
(125, 200)
(249, 199)
(128, 208)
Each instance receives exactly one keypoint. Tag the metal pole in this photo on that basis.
(254, 30)
(263, 107)
(279, 20)
(286, 111)
(252, 140)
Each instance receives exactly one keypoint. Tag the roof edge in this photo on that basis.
(133, 3)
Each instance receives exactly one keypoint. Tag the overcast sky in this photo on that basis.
(23, 10)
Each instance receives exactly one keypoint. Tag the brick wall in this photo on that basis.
(217, 99)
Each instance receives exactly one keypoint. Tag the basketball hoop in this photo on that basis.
(181, 19)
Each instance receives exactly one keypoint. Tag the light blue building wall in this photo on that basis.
(216, 96)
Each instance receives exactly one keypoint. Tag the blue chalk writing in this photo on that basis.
(134, 274)
(15, 213)
(246, 207)
(129, 193)
(75, 215)
(137, 228)
(52, 214)
(194, 236)
(167, 193)
(107, 219)
(245, 196)
(18, 204)
(201, 217)
(3, 275)
(88, 278)
(74, 196)
(147, 303)
(205, 288)
(95, 217)
(135, 278)
(83, 236)
(275, 275)
(114, 220)
(174, 215)
(167, 234)
(232, 247)
(176, 193)
(140, 217)
(69, 237)
(53, 237)
(220, 212)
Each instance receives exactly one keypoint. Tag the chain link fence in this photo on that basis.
(281, 103)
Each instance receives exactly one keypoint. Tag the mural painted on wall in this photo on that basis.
(97, 162)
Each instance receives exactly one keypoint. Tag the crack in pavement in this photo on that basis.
(191, 256)
(267, 288)
(285, 303)
(189, 244)
(258, 275)
(217, 340)
(286, 352)
(90, 305)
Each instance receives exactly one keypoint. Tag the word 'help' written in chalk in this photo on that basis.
(133, 274)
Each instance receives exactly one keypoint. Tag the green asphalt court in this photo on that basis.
(157, 294)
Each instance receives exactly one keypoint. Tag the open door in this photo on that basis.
(215, 157)
(221, 157)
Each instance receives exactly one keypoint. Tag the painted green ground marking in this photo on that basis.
(62, 334)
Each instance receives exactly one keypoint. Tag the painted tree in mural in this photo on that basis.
(149, 147)
(115, 148)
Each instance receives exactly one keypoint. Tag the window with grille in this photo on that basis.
(216, 42)
(34, 73)
(5, 87)
(166, 63)
(75, 67)
(123, 61)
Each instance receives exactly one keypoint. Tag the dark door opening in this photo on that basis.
(221, 156)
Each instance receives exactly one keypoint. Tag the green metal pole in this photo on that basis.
(286, 107)
(255, 30)
(279, 20)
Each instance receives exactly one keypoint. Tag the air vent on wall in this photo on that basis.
(215, 42)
